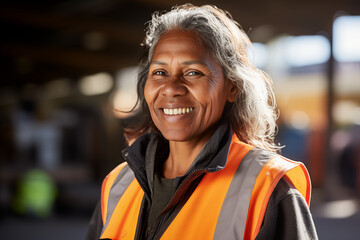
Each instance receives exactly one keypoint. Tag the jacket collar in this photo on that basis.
(148, 153)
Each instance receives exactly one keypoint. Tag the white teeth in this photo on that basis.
(176, 111)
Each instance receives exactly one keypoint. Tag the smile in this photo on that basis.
(177, 111)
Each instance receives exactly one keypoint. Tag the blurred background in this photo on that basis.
(66, 65)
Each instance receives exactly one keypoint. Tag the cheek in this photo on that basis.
(151, 91)
(219, 99)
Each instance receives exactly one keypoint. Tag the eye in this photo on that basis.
(159, 72)
(194, 74)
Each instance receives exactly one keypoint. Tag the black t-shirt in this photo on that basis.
(164, 189)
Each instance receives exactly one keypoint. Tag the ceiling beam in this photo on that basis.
(115, 30)
(66, 57)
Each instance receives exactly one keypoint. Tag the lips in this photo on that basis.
(177, 111)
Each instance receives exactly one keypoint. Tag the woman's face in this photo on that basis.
(186, 89)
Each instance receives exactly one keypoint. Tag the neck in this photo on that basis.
(182, 155)
(180, 158)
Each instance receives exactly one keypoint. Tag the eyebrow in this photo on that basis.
(193, 62)
(183, 63)
(158, 62)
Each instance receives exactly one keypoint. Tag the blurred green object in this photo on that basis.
(35, 196)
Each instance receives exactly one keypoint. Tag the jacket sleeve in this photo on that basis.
(287, 216)
(95, 224)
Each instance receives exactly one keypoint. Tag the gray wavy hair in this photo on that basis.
(253, 114)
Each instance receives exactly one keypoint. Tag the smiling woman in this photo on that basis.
(204, 166)
(184, 75)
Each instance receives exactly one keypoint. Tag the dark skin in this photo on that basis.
(186, 91)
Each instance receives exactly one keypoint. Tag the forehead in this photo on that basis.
(180, 41)
(180, 36)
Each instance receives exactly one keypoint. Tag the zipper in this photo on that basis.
(202, 170)
(161, 219)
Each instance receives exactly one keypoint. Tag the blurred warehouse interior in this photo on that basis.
(67, 67)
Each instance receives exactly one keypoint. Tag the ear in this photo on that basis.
(232, 91)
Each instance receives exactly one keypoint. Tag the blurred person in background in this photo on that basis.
(204, 166)
(35, 194)
(348, 162)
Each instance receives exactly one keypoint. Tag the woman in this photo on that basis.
(205, 167)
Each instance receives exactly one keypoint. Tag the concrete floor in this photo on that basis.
(338, 229)
(64, 228)
(13, 228)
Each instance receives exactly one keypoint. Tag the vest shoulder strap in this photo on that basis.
(106, 186)
(276, 168)
(121, 201)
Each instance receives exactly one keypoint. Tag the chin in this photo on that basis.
(176, 136)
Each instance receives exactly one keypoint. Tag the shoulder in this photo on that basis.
(117, 169)
(287, 215)
(285, 193)
(121, 171)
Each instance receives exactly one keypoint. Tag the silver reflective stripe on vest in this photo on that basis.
(232, 219)
(121, 183)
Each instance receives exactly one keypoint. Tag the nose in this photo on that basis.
(173, 87)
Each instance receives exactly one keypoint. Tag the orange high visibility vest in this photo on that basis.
(209, 213)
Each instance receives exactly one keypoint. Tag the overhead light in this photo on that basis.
(338, 209)
(346, 112)
(124, 102)
(300, 120)
(96, 84)
(346, 38)
(258, 54)
(125, 96)
(306, 50)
